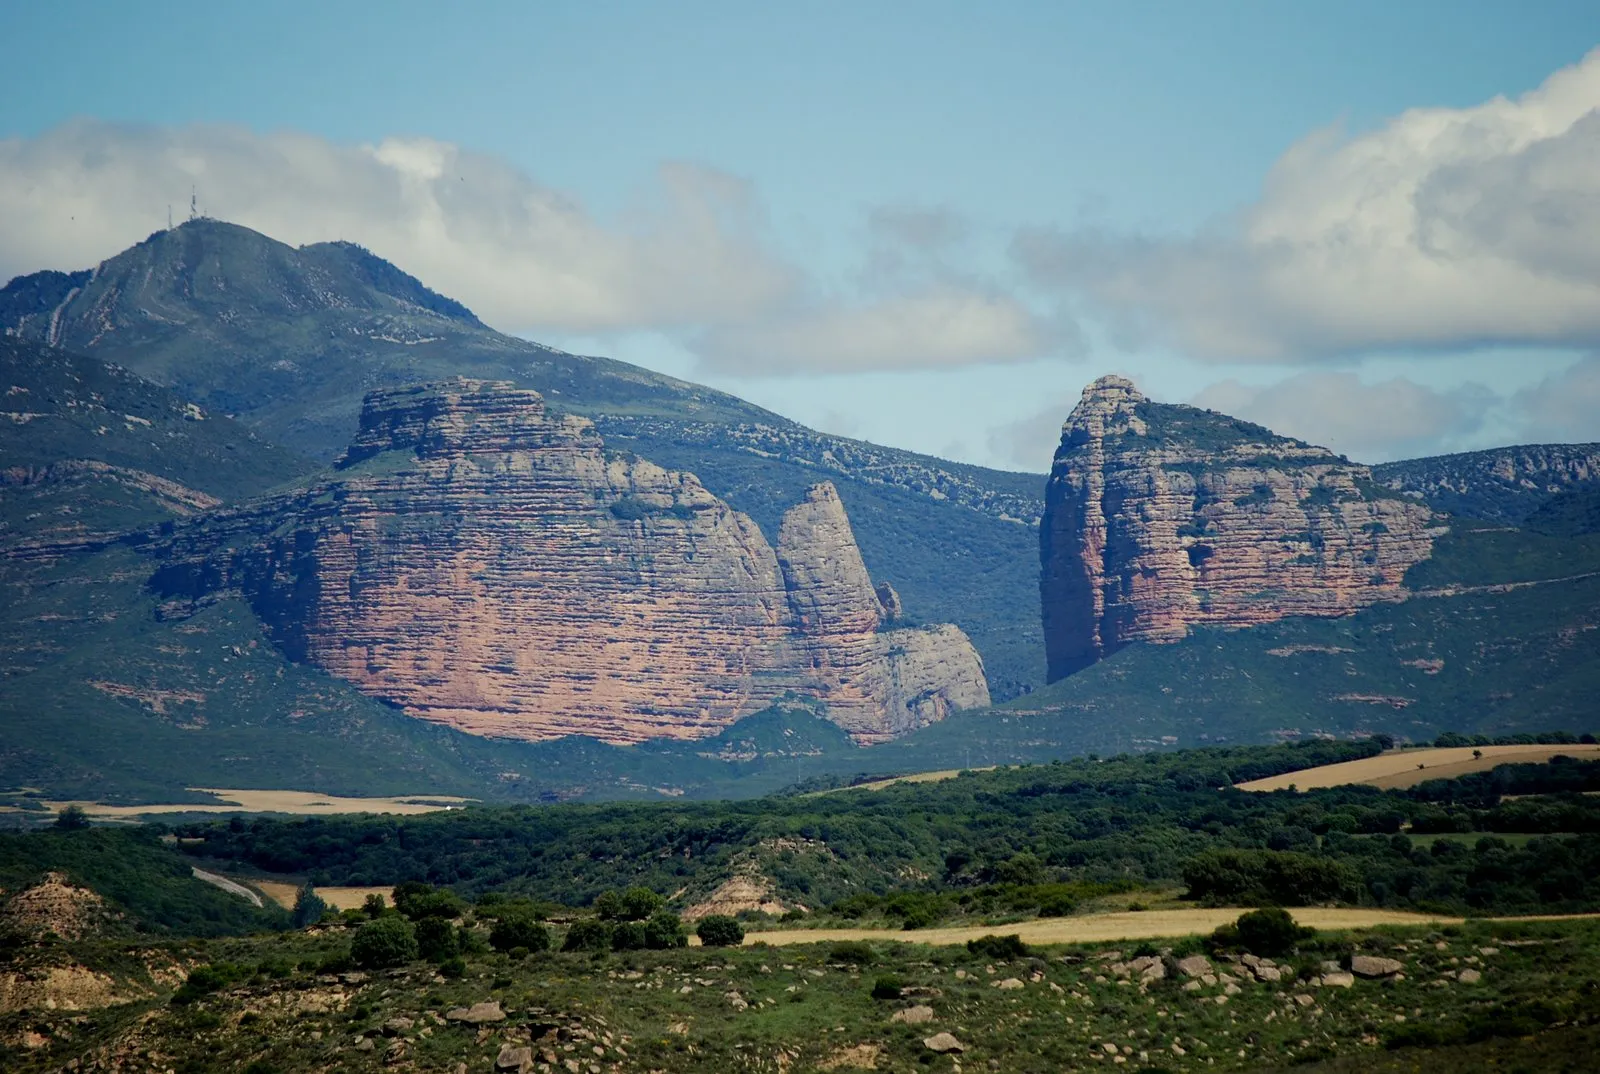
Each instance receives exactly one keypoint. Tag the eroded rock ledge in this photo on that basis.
(1161, 517)
(484, 564)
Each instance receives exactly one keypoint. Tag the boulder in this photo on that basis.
(1469, 976)
(478, 1014)
(1371, 966)
(1338, 979)
(1194, 965)
(1265, 972)
(943, 1043)
(514, 1058)
(1008, 985)
(913, 1016)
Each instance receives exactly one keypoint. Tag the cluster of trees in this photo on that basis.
(1036, 838)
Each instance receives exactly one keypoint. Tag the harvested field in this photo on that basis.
(1406, 768)
(915, 777)
(1099, 928)
(283, 893)
(305, 803)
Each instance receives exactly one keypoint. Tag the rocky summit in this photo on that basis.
(483, 563)
(1161, 517)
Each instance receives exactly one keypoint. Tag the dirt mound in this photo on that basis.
(57, 905)
(63, 988)
(746, 891)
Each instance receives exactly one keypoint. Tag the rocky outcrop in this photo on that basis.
(485, 564)
(1159, 518)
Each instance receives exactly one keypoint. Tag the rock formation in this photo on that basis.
(1161, 517)
(485, 564)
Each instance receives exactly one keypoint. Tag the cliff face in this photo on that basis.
(1158, 517)
(481, 563)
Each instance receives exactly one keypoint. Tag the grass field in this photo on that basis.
(303, 803)
(1406, 768)
(1099, 928)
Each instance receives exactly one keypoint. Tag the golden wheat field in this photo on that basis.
(1099, 928)
(1406, 768)
(305, 803)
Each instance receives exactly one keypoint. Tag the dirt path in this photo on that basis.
(1407, 768)
(1098, 928)
(231, 887)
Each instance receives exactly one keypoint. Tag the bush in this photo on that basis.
(453, 968)
(204, 980)
(853, 952)
(436, 939)
(388, 941)
(374, 907)
(887, 987)
(1271, 932)
(519, 930)
(72, 819)
(999, 948)
(627, 936)
(587, 934)
(440, 904)
(719, 930)
(663, 931)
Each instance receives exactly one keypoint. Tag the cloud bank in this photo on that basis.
(694, 259)
(1446, 228)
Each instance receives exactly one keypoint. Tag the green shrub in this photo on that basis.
(638, 904)
(204, 980)
(663, 931)
(519, 930)
(437, 939)
(453, 968)
(419, 905)
(1000, 948)
(627, 936)
(853, 952)
(1271, 932)
(587, 934)
(1267, 877)
(887, 987)
(387, 941)
(719, 930)
(374, 906)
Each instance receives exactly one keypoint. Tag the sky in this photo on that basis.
(1374, 226)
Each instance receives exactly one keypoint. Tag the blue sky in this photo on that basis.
(924, 224)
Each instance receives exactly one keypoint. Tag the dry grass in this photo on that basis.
(916, 777)
(1406, 768)
(1100, 928)
(305, 803)
(283, 893)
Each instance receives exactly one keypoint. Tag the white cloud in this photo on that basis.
(695, 260)
(1563, 407)
(1394, 419)
(1446, 228)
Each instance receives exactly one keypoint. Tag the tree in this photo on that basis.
(519, 930)
(587, 934)
(374, 906)
(720, 930)
(390, 940)
(308, 907)
(1271, 932)
(436, 939)
(664, 930)
(72, 819)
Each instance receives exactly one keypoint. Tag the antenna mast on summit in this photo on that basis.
(194, 209)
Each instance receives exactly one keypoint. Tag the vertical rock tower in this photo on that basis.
(485, 564)
(1159, 517)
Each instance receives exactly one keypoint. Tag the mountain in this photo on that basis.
(89, 450)
(288, 341)
(1160, 518)
(1503, 485)
(482, 563)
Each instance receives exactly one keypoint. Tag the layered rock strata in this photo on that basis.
(1160, 517)
(482, 563)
